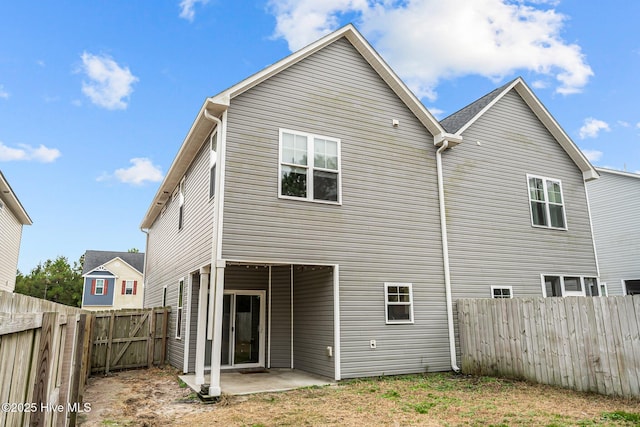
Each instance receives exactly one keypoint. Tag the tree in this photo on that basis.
(55, 280)
(134, 251)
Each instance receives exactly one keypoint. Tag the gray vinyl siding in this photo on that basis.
(615, 212)
(387, 228)
(10, 235)
(281, 317)
(313, 320)
(491, 239)
(193, 320)
(173, 254)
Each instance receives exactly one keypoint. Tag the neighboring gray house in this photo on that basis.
(112, 280)
(12, 218)
(615, 212)
(303, 223)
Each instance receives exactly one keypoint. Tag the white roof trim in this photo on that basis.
(12, 202)
(104, 268)
(220, 102)
(368, 53)
(617, 172)
(589, 172)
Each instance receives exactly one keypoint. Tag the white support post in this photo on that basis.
(216, 342)
(201, 337)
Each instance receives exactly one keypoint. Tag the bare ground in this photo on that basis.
(154, 397)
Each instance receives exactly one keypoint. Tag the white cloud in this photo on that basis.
(437, 113)
(623, 123)
(188, 8)
(592, 128)
(142, 170)
(426, 41)
(110, 85)
(638, 125)
(592, 155)
(3, 93)
(26, 152)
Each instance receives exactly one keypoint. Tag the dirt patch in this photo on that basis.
(149, 397)
(154, 398)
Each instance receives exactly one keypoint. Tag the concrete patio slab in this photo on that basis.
(262, 381)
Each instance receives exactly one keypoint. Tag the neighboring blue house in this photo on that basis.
(112, 280)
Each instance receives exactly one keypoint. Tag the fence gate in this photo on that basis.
(125, 339)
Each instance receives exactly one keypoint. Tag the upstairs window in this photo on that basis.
(181, 205)
(398, 302)
(309, 167)
(546, 202)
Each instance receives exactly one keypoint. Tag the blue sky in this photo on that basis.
(97, 96)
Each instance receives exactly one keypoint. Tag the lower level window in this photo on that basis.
(563, 286)
(398, 302)
(501, 292)
(179, 310)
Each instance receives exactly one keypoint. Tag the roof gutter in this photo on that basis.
(446, 141)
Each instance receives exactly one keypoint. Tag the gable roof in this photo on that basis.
(217, 104)
(94, 259)
(457, 120)
(11, 200)
(460, 121)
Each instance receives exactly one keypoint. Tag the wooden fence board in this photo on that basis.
(584, 343)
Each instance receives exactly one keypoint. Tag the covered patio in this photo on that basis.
(253, 381)
(264, 327)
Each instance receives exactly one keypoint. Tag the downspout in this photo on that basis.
(445, 255)
(213, 261)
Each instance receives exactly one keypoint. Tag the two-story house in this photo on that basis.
(318, 217)
(12, 218)
(112, 280)
(615, 211)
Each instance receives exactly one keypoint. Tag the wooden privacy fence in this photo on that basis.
(44, 361)
(125, 339)
(583, 343)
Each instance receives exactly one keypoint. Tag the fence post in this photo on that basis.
(165, 327)
(152, 338)
(78, 366)
(43, 369)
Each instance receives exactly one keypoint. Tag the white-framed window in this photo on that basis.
(565, 286)
(129, 287)
(546, 202)
(179, 309)
(99, 286)
(181, 204)
(213, 160)
(501, 292)
(398, 299)
(309, 167)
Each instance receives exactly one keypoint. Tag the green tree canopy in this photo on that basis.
(54, 280)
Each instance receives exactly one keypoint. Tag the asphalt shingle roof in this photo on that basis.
(94, 259)
(457, 120)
